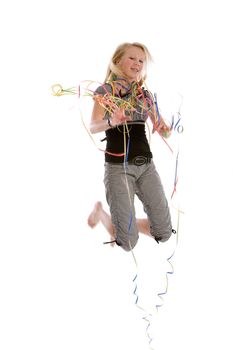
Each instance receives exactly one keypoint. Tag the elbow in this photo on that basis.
(92, 129)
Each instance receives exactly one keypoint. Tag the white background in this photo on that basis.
(60, 287)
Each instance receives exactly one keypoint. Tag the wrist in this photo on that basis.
(109, 123)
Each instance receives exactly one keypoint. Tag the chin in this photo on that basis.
(134, 78)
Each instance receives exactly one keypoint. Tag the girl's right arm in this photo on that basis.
(98, 123)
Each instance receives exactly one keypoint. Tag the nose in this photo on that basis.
(139, 62)
(136, 64)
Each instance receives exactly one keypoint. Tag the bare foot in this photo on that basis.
(94, 217)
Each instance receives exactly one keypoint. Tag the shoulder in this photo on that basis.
(148, 96)
(103, 89)
(147, 93)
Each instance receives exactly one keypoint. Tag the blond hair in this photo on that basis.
(113, 70)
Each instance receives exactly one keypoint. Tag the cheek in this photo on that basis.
(124, 64)
(120, 65)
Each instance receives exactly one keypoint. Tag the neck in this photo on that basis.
(122, 87)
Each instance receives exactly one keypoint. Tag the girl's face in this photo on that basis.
(132, 63)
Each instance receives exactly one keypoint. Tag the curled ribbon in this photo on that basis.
(57, 90)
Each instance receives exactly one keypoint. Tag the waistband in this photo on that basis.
(139, 160)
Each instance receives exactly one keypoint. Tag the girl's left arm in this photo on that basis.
(159, 124)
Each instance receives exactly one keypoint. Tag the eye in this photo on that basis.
(134, 59)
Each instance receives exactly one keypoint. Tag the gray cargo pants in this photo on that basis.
(122, 182)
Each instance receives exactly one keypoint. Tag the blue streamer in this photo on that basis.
(135, 289)
(147, 329)
(162, 294)
(157, 107)
(145, 318)
(127, 150)
(176, 170)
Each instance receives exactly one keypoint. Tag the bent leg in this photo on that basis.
(120, 191)
(97, 215)
(144, 226)
(152, 195)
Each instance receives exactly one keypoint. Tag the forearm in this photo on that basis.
(160, 126)
(99, 126)
(163, 129)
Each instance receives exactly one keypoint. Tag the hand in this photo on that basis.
(118, 116)
(162, 129)
(165, 131)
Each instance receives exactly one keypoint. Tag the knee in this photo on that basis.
(126, 243)
(163, 236)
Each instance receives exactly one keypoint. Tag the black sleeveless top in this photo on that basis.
(131, 137)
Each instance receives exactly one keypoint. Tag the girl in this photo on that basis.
(122, 106)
